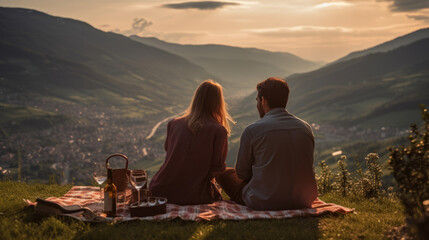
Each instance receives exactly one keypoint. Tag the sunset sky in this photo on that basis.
(313, 29)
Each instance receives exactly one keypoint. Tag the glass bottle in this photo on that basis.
(110, 193)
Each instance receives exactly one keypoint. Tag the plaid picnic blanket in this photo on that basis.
(86, 196)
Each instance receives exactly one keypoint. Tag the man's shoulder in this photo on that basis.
(283, 120)
(300, 121)
(256, 128)
(251, 127)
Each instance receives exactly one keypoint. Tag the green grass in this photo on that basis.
(398, 118)
(13, 112)
(372, 220)
(17, 118)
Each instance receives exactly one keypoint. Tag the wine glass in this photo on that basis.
(138, 179)
(100, 175)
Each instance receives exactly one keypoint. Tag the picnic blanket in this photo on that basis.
(86, 196)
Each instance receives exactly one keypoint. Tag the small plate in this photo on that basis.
(149, 207)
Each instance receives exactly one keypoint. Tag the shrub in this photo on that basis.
(365, 184)
(342, 178)
(410, 168)
(371, 184)
(324, 184)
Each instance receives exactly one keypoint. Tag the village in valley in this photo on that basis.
(64, 153)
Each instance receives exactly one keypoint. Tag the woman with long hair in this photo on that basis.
(196, 147)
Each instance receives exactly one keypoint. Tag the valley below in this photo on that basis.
(64, 152)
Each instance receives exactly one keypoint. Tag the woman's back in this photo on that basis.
(185, 177)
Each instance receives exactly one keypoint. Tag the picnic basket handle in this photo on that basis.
(118, 155)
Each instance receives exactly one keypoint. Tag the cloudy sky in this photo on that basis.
(321, 30)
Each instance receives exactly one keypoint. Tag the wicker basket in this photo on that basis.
(120, 177)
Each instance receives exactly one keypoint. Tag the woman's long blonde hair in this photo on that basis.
(207, 103)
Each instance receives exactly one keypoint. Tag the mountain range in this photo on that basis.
(389, 45)
(239, 68)
(63, 59)
(375, 90)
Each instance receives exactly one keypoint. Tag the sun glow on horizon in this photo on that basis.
(318, 30)
(333, 4)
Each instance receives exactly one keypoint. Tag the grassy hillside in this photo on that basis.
(372, 220)
(16, 118)
(377, 90)
(44, 56)
(389, 45)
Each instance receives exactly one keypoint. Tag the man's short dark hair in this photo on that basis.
(275, 91)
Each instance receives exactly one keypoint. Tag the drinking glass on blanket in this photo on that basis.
(99, 173)
(138, 179)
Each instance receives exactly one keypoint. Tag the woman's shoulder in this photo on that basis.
(213, 124)
(176, 123)
(177, 120)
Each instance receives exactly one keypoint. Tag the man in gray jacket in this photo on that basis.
(274, 168)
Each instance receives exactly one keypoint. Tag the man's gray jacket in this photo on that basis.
(276, 157)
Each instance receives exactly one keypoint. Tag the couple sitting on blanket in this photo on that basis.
(274, 168)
